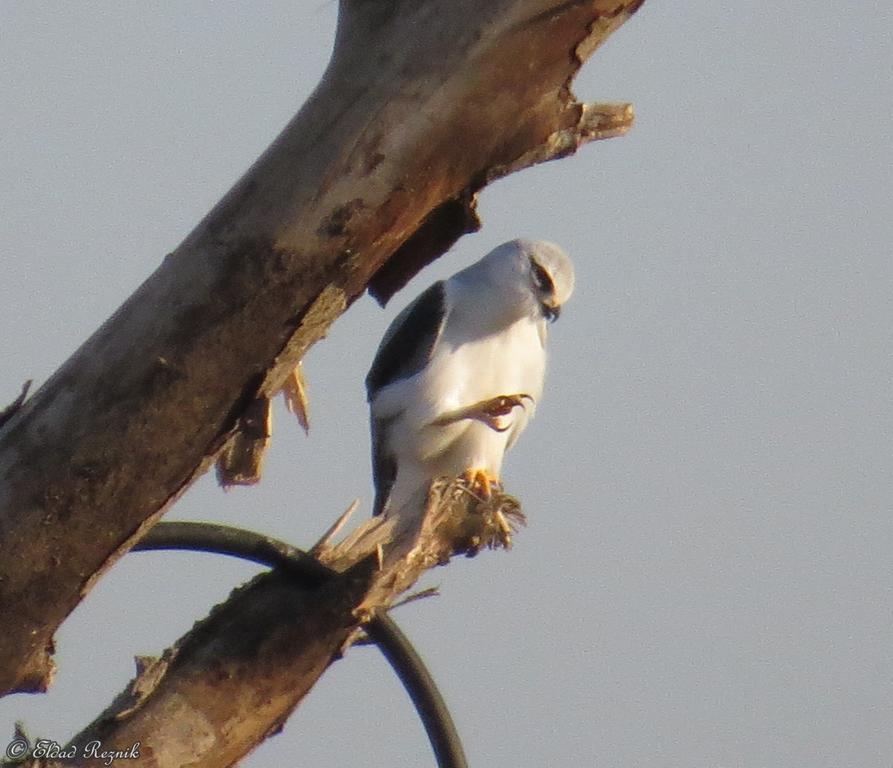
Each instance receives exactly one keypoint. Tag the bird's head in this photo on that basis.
(551, 275)
(522, 278)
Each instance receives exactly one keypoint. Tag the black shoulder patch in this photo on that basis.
(409, 342)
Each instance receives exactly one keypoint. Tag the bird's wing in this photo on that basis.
(384, 465)
(405, 350)
(409, 342)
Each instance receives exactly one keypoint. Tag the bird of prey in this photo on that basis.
(459, 372)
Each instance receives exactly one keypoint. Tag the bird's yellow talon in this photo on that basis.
(480, 480)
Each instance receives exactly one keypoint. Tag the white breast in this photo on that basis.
(459, 375)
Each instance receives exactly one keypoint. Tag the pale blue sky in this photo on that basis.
(706, 580)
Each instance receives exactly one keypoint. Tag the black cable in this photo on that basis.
(421, 688)
(236, 542)
(396, 647)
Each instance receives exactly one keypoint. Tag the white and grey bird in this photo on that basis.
(460, 371)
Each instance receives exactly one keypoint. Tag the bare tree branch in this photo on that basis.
(422, 103)
(382, 629)
(237, 675)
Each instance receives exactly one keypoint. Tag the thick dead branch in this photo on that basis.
(422, 103)
(235, 677)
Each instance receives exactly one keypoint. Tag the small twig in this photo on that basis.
(325, 540)
(420, 595)
(363, 638)
(15, 406)
(294, 390)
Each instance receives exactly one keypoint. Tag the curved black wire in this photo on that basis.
(396, 647)
(432, 709)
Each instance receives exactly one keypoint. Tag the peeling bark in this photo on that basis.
(423, 103)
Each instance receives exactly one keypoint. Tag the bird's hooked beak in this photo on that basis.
(551, 313)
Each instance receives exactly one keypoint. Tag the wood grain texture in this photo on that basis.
(423, 102)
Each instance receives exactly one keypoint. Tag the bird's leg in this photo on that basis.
(488, 412)
(481, 481)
